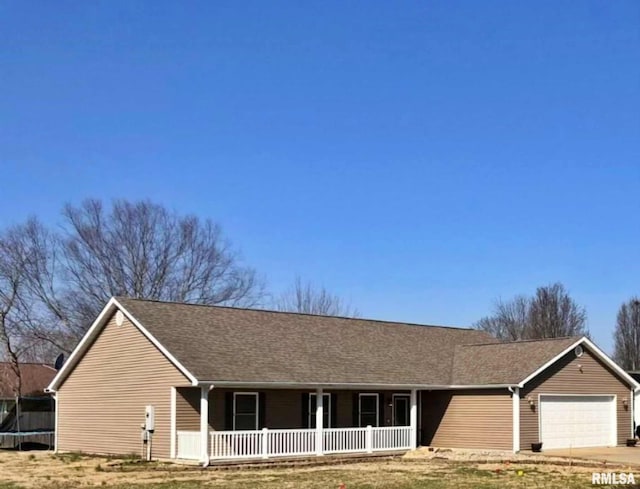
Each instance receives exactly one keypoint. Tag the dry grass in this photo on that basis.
(26, 471)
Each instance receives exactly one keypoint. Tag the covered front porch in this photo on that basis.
(210, 423)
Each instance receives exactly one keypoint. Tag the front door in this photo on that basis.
(400, 410)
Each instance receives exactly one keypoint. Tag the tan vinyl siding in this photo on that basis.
(344, 409)
(283, 408)
(188, 409)
(101, 403)
(565, 377)
(467, 419)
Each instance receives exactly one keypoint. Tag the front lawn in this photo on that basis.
(40, 469)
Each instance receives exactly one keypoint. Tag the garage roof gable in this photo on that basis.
(593, 349)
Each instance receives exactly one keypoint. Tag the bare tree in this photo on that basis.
(141, 250)
(554, 314)
(550, 313)
(47, 319)
(509, 320)
(307, 298)
(134, 249)
(15, 256)
(627, 335)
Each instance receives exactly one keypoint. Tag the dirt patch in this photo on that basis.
(503, 457)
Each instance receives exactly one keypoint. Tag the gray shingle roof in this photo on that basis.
(245, 345)
(504, 363)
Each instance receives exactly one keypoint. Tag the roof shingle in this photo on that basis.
(245, 345)
(505, 363)
(35, 377)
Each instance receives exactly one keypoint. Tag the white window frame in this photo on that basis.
(326, 408)
(407, 397)
(368, 394)
(257, 401)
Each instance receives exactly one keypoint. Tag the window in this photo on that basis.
(245, 410)
(326, 410)
(368, 409)
(401, 409)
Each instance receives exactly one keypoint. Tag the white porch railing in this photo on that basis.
(236, 444)
(391, 438)
(188, 445)
(345, 440)
(267, 443)
(264, 443)
(283, 443)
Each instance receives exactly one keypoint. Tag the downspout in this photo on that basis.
(54, 398)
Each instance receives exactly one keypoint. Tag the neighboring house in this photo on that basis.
(31, 423)
(35, 378)
(231, 383)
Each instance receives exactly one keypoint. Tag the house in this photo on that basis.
(35, 377)
(31, 422)
(229, 383)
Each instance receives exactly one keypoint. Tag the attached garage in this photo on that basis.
(577, 421)
(563, 392)
(579, 400)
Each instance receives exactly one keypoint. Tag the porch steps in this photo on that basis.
(304, 461)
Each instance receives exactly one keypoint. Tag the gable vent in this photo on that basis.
(119, 318)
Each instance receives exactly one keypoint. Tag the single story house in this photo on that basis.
(34, 378)
(230, 383)
(31, 421)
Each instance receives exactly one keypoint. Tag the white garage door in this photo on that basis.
(577, 421)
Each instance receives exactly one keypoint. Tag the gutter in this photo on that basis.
(349, 385)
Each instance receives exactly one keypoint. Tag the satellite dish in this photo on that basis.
(59, 362)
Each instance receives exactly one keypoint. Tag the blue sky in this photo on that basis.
(419, 158)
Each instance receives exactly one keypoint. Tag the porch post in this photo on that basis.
(634, 408)
(204, 424)
(419, 437)
(172, 423)
(413, 419)
(319, 422)
(515, 398)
